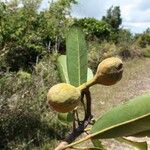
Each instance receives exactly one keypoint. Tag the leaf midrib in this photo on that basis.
(79, 72)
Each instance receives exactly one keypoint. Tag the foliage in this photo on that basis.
(143, 40)
(22, 25)
(20, 39)
(124, 42)
(62, 67)
(97, 52)
(32, 33)
(113, 17)
(21, 58)
(18, 22)
(76, 56)
(146, 51)
(57, 19)
(106, 127)
(25, 118)
(123, 45)
(94, 28)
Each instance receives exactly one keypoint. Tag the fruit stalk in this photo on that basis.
(87, 85)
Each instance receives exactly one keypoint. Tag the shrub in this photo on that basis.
(24, 75)
(124, 41)
(143, 40)
(146, 51)
(99, 51)
(20, 57)
(25, 118)
(3, 65)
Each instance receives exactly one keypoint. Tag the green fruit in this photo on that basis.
(63, 97)
(109, 71)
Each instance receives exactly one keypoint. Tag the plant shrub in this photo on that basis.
(146, 51)
(99, 51)
(26, 120)
(19, 57)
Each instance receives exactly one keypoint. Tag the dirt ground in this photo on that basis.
(135, 81)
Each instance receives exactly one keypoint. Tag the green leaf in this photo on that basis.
(65, 118)
(139, 145)
(89, 74)
(127, 119)
(97, 143)
(62, 67)
(76, 56)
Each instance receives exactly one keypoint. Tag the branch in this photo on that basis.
(88, 104)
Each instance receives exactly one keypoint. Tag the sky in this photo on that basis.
(135, 13)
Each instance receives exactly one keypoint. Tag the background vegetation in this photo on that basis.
(30, 42)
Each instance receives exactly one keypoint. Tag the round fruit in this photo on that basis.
(63, 97)
(109, 71)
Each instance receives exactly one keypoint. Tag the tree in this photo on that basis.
(16, 21)
(58, 20)
(19, 34)
(94, 28)
(113, 17)
(29, 32)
